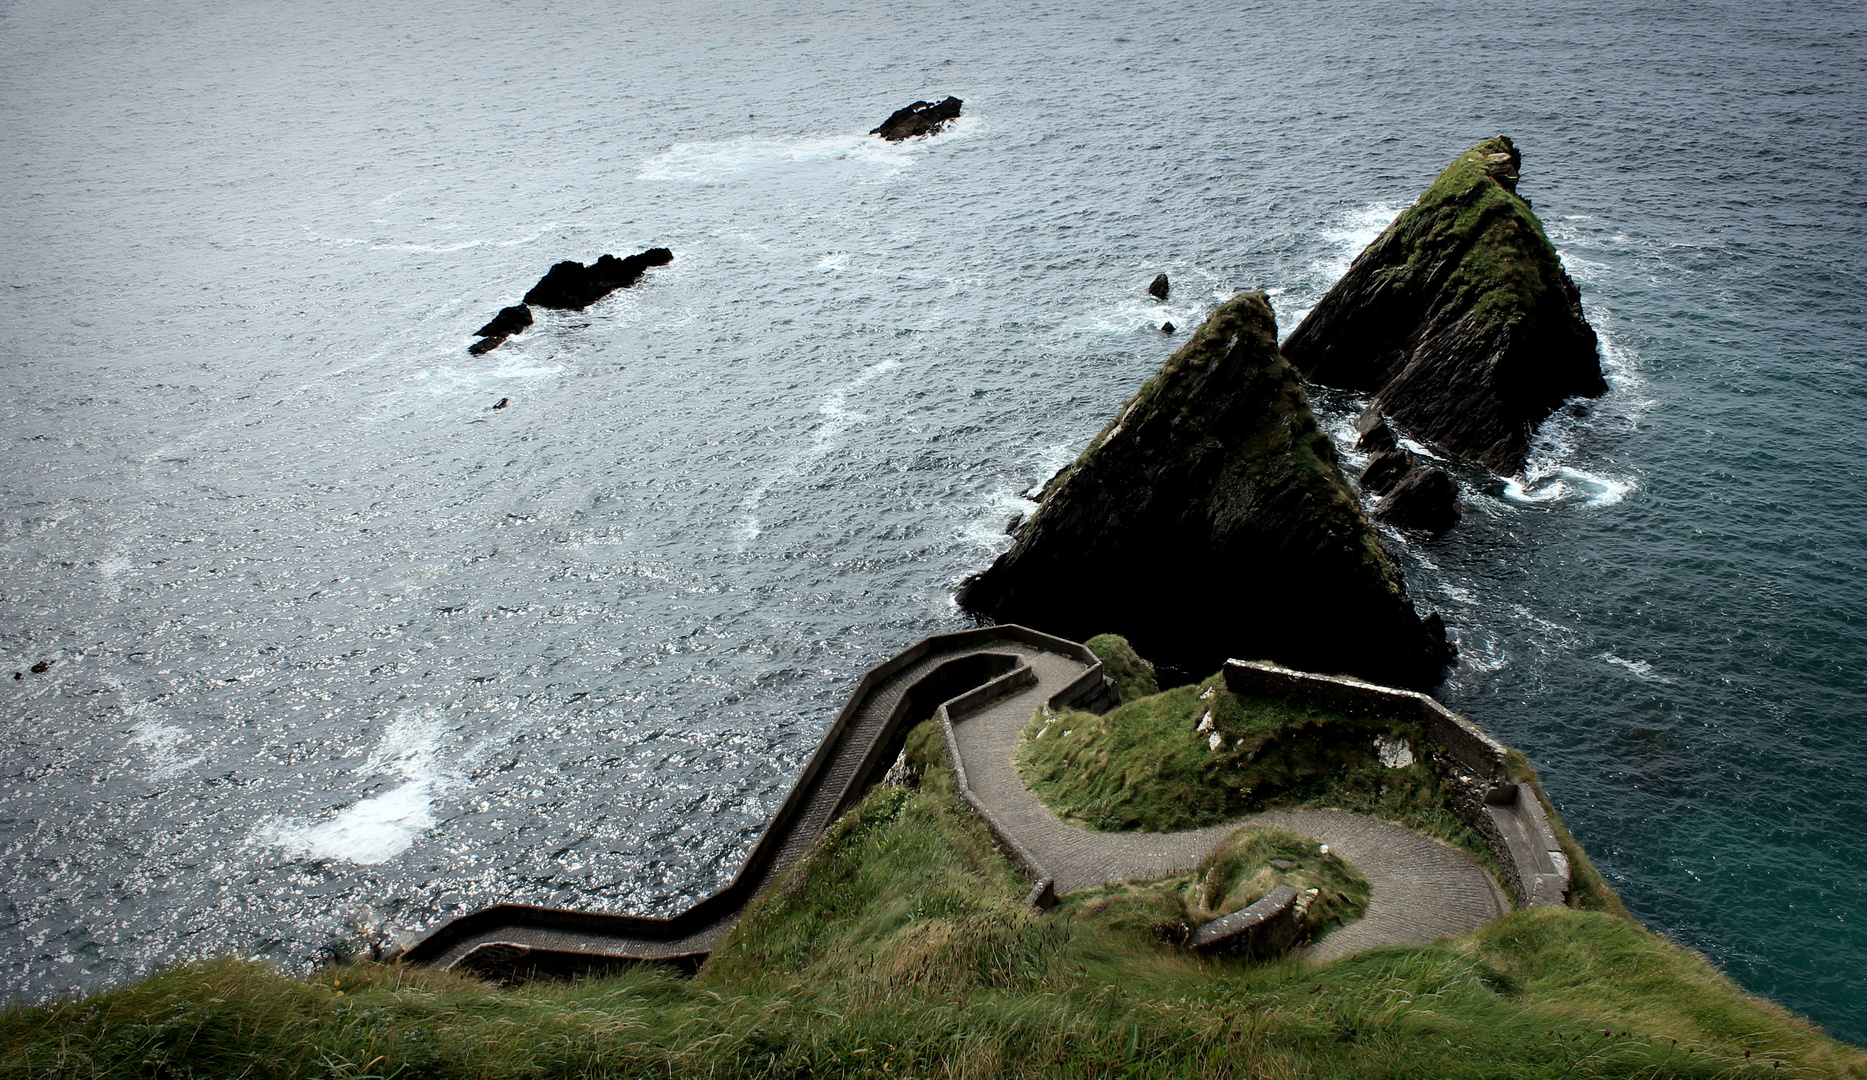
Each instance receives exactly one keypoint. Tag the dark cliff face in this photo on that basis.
(1459, 319)
(1210, 520)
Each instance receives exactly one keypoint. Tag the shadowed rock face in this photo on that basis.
(1459, 319)
(920, 118)
(572, 286)
(1210, 520)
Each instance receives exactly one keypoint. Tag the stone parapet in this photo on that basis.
(1470, 762)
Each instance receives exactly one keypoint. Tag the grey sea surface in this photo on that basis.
(337, 651)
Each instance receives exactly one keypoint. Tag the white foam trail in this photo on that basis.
(836, 420)
(379, 828)
(734, 159)
(1561, 483)
(161, 745)
(1639, 667)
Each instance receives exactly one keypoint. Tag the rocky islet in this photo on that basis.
(1459, 319)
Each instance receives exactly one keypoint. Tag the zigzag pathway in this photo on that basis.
(1422, 889)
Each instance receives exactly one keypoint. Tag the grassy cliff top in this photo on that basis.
(1199, 755)
(901, 948)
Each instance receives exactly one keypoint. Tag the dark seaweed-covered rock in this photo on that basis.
(1459, 319)
(572, 286)
(1210, 520)
(920, 118)
(1372, 435)
(1423, 499)
(1158, 287)
(509, 321)
(1167, 328)
(1385, 470)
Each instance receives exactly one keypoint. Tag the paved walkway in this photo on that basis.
(1422, 889)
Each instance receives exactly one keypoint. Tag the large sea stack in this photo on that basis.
(1460, 319)
(1210, 520)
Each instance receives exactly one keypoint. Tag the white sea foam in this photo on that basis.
(835, 419)
(161, 744)
(1639, 667)
(737, 159)
(381, 827)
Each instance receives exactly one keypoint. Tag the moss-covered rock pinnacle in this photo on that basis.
(1459, 319)
(1209, 520)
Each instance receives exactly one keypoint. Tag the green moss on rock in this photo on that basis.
(1459, 318)
(1209, 519)
(1133, 677)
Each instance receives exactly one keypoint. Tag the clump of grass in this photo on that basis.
(1133, 677)
(900, 949)
(1238, 872)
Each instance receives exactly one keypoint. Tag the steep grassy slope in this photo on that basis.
(901, 949)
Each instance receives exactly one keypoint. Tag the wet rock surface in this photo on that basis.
(1210, 519)
(1372, 435)
(1459, 319)
(1385, 469)
(1159, 287)
(920, 118)
(572, 286)
(1424, 498)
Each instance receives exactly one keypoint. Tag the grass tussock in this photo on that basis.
(900, 949)
(1133, 677)
(1237, 873)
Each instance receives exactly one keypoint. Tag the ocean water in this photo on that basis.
(337, 651)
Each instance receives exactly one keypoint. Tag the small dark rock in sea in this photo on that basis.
(572, 286)
(1166, 328)
(41, 667)
(1011, 527)
(1385, 470)
(19, 674)
(502, 403)
(1372, 433)
(509, 321)
(1158, 287)
(1424, 499)
(920, 118)
(486, 345)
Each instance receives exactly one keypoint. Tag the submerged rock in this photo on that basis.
(1167, 328)
(920, 118)
(1422, 499)
(572, 286)
(1459, 319)
(1210, 520)
(1158, 287)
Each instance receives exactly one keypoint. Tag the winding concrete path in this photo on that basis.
(1421, 889)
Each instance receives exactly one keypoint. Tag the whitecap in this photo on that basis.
(836, 418)
(374, 830)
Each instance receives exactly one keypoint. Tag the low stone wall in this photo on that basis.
(1470, 762)
(1269, 926)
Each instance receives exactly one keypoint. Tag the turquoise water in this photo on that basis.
(339, 652)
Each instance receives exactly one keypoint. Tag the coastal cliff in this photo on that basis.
(1459, 319)
(1210, 519)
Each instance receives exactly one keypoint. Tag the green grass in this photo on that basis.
(901, 949)
(1237, 873)
(1146, 765)
(1133, 677)
(1505, 259)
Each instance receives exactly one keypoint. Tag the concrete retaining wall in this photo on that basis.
(1470, 762)
(1269, 926)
